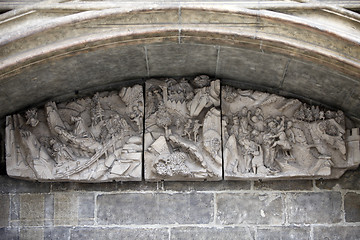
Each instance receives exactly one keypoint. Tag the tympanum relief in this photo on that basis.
(268, 136)
(186, 136)
(183, 129)
(90, 139)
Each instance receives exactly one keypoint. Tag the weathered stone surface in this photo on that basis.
(88, 139)
(9, 233)
(15, 207)
(72, 186)
(324, 207)
(119, 233)
(4, 210)
(155, 208)
(65, 209)
(208, 233)
(31, 233)
(285, 232)
(284, 185)
(86, 208)
(350, 180)
(57, 233)
(207, 186)
(300, 75)
(245, 64)
(10, 185)
(49, 210)
(183, 129)
(249, 208)
(352, 207)
(336, 232)
(179, 59)
(32, 209)
(139, 186)
(266, 136)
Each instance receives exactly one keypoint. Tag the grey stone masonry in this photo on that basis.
(181, 210)
(158, 208)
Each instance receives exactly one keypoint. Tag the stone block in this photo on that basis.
(111, 233)
(134, 17)
(266, 136)
(138, 186)
(10, 185)
(207, 186)
(315, 207)
(155, 208)
(67, 186)
(32, 209)
(86, 208)
(215, 233)
(352, 207)
(9, 233)
(57, 233)
(183, 130)
(336, 232)
(33, 233)
(249, 208)
(72, 151)
(4, 210)
(65, 209)
(350, 180)
(246, 63)
(285, 232)
(195, 16)
(181, 59)
(284, 185)
(49, 209)
(300, 75)
(15, 207)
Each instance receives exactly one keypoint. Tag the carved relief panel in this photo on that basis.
(94, 139)
(183, 130)
(266, 136)
(186, 136)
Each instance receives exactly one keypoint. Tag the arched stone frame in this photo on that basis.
(255, 54)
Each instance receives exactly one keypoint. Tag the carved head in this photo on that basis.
(31, 116)
(258, 111)
(244, 111)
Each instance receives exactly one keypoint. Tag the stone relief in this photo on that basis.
(266, 136)
(187, 137)
(183, 129)
(90, 139)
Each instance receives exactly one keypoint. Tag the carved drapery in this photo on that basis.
(187, 129)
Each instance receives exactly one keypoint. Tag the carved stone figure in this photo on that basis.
(256, 135)
(89, 140)
(271, 137)
(183, 130)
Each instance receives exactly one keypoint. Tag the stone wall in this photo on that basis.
(299, 209)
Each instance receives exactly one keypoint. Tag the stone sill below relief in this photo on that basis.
(179, 130)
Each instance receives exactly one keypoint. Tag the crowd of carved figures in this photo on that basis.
(183, 131)
(269, 136)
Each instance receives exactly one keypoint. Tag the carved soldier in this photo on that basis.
(31, 116)
(136, 116)
(187, 128)
(244, 121)
(61, 153)
(197, 126)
